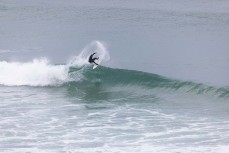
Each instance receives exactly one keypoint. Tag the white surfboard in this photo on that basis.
(95, 66)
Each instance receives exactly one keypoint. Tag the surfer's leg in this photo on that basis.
(95, 63)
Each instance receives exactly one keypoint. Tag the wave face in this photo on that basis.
(135, 80)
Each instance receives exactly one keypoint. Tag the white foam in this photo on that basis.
(36, 73)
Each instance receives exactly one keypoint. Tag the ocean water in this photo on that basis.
(162, 86)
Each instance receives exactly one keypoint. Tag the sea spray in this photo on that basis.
(97, 47)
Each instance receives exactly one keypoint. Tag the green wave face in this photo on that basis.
(104, 80)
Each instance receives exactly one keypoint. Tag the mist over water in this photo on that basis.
(162, 85)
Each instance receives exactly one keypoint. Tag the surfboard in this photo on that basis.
(95, 66)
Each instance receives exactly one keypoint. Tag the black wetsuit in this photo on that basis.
(92, 60)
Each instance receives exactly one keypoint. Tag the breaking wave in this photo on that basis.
(79, 74)
(36, 73)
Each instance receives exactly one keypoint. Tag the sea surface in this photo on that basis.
(162, 86)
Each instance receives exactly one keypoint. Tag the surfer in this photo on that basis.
(92, 60)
